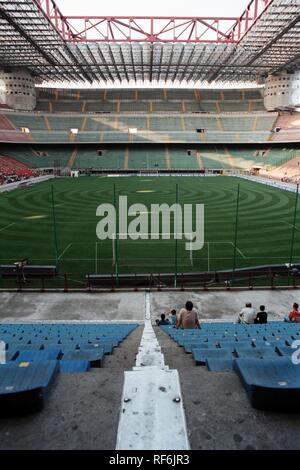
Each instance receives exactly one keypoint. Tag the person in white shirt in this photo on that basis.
(247, 314)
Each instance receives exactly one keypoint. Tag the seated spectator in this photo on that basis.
(163, 320)
(261, 316)
(247, 314)
(188, 317)
(173, 317)
(294, 315)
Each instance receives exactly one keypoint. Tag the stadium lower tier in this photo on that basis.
(143, 158)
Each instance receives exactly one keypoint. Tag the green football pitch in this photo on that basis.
(264, 225)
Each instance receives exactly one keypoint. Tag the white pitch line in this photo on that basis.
(291, 225)
(66, 249)
(240, 252)
(7, 226)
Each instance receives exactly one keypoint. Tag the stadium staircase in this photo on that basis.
(72, 158)
(260, 354)
(36, 354)
(289, 128)
(290, 168)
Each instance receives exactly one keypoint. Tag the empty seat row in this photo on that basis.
(34, 354)
(262, 356)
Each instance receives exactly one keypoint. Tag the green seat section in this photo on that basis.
(42, 106)
(232, 95)
(265, 123)
(135, 106)
(148, 94)
(181, 159)
(65, 123)
(200, 122)
(101, 106)
(144, 158)
(166, 123)
(234, 106)
(121, 95)
(179, 94)
(167, 106)
(253, 94)
(32, 122)
(71, 106)
(89, 158)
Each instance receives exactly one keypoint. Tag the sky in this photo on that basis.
(153, 7)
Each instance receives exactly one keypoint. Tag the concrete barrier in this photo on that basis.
(17, 184)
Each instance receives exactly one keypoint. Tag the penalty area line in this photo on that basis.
(7, 226)
(239, 251)
(66, 249)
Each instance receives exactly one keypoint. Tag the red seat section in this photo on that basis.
(10, 166)
(8, 133)
(5, 123)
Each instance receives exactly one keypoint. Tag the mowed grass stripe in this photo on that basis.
(264, 230)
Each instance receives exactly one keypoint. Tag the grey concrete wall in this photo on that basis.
(226, 305)
(72, 306)
(129, 306)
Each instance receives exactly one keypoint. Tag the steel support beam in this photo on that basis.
(152, 29)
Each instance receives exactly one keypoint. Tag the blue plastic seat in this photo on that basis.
(21, 347)
(271, 384)
(93, 356)
(230, 345)
(285, 350)
(188, 347)
(39, 356)
(24, 387)
(74, 366)
(219, 364)
(260, 343)
(106, 346)
(202, 355)
(259, 353)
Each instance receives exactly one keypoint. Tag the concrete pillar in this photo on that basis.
(17, 89)
(282, 91)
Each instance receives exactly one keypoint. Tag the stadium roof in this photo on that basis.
(34, 34)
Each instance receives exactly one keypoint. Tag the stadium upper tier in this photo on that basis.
(139, 129)
(149, 100)
(144, 116)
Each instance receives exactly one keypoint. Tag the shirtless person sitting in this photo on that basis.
(188, 317)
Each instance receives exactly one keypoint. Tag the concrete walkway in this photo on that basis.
(128, 306)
